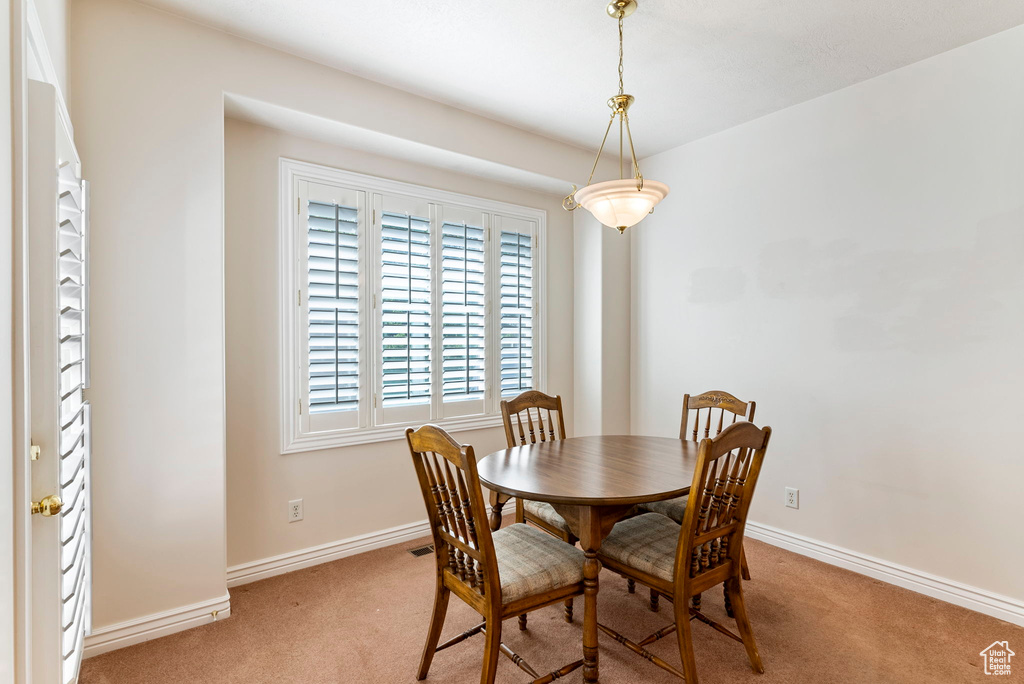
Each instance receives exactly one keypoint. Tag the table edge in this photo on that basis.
(589, 501)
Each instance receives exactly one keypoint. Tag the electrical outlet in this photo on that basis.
(295, 510)
(792, 497)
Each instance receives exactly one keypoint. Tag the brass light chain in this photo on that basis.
(621, 91)
(624, 119)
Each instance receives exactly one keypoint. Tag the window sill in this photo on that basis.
(387, 433)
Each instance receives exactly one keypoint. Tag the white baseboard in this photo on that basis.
(156, 625)
(314, 555)
(980, 600)
(179, 619)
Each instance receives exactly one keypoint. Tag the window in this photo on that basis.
(401, 305)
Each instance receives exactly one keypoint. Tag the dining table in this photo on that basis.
(592, 482)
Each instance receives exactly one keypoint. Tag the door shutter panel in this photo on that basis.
(58, 292)
(74, 417)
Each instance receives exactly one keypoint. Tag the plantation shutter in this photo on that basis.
(463, 311)
(74, 417)
(58, 415)
(515, 282)
(332, 227)
(403, 305)
(404, 391)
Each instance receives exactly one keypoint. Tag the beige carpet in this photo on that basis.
(364, 619)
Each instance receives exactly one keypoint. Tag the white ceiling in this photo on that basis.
(696, 67)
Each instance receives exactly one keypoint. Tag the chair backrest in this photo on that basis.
(709, 403)
(455, 506)
(716, 510)
(532, 417)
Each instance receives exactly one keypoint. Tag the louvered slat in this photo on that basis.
(73, 632)
(72, 661)
(71, 517)
(71, 432)
(70, 550)
(72, 463)
(70, 580)
(72, 403)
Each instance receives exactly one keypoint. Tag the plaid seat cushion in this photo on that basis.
(673, 508)
(539, 510)
(647, 542)
(531, 562)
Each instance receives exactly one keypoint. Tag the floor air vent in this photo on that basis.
(422, 550)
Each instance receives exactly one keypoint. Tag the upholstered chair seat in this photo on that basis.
(532, 562)
(545, 512)
(647, 542)
(673, 508)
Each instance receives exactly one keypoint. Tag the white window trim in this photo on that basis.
(293, 439)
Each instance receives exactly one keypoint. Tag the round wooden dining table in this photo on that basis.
(592, 482)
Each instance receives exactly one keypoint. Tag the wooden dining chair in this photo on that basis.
(500, 575)
(529, 418)
(681, 561)
(720, 409)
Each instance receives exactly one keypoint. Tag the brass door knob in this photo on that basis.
(50, 505)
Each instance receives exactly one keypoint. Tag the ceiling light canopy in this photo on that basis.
(625, 202)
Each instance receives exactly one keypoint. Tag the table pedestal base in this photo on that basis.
(591, 524)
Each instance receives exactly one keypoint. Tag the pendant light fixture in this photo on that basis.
(625, 202)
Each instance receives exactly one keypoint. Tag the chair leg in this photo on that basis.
(696, 601)
(684, 634)
(631, 586)
(434, 633)
(654, 600)
(728, 601)
(568, 610)
(744, 570)
(733, 586)
(522, 622)
(492, 648)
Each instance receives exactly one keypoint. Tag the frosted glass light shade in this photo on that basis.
(618, 204)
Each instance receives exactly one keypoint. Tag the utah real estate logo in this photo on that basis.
(997, 658)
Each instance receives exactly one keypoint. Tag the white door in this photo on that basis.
(60, 415)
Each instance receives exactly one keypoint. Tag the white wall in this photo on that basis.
(853, 264)
(346, 491)
(602, 324)
(53, 18)
(148, 96)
